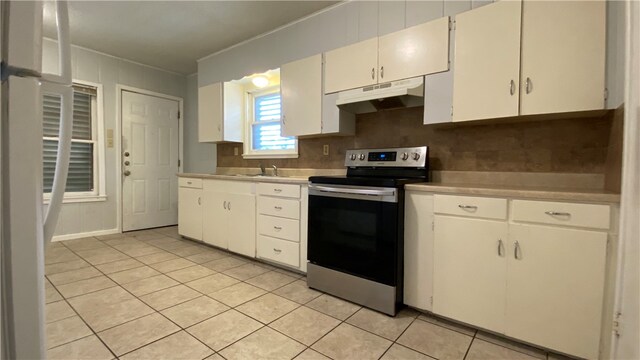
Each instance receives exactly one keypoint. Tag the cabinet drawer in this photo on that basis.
(279, 207)
(278, 227)
(479, 207)
(558, 213)
(190, 183)
(284, 190)
(282, 251)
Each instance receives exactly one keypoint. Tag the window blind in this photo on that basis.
(81, 177)
(266, 127)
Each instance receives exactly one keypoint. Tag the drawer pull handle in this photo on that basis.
(224, 205)
(229, 205)
(516, 251)
(277, 228)
(500, 247)
(189, 182)
(468, 207)
(278, 207)
(277, 251)
(556, 213)
(199, 201)
(277, 190)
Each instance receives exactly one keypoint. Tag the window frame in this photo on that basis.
(250, 120)
(97, 135)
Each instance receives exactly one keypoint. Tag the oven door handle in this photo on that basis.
(352, 191)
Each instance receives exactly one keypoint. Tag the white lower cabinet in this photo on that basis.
(555, 287)
(470, 270)
(281, 233)
(190, 208)
(229, 218)
(537, 275)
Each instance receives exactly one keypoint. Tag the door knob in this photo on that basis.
(127, 173)
(127, 163)
(126, 154)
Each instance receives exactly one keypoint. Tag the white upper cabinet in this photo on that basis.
(220, 112)
(351, 66)
(415, 51)
(305, 109)
(563, 56)
(487, 62)
(301, 91)
(531, 57)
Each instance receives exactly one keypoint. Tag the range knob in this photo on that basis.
(405, 156)
(354, 156)
(416, 156)
(361, 156)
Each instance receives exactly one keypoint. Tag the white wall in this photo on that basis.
(199, 157)
(95, 67)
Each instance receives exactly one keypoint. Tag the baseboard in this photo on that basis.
(85, 234)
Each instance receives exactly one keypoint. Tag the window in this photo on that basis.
(84, 178)
(265, 138)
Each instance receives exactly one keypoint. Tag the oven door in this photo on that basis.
(354, 229)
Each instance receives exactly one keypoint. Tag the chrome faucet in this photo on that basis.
(262, 171)
(275, 170)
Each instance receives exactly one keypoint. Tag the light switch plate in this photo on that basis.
(325, 149)
(235, 151)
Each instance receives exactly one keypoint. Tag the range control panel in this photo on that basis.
(395, 157)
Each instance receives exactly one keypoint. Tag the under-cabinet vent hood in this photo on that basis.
(391, 95)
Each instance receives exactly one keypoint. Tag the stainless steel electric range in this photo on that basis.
(356, 226)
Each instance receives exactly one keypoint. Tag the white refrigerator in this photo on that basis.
(26, 227)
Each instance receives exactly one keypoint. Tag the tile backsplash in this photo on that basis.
(559, 145)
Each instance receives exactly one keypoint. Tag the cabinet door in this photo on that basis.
(351, 66)
(301, 91)
(418, 250)
(470, 271)
(487, 62)
(555, 288)
(190, 213)
(215, 218)
(242, 224)
(415, 51)
(232, 112)
(210, 113)
(563, 56)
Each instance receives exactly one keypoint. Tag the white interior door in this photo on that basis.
(149, 161)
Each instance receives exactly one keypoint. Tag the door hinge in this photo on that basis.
(178, 114)
(433, 226)
(178, 162)
(452, 111)
(606, 95)
(452, 25)
(431, 300)
(616, 324)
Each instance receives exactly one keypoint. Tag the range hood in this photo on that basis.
(391, 95)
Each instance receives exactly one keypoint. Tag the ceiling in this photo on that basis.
(172, 35)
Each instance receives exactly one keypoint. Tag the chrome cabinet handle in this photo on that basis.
(527, 86)
(229, 206)
(382, 72)
(277, 228)
(189, 182)
(500, 248)
(199, 201)
(277, 251)
(278, 207)
(516, 251)
(468, 207)
(556, 213)
(512, 87)
(224, 205)
(277, 190)
(373, 73)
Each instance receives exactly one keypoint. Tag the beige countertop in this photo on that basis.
(270, 179)
(528, 192)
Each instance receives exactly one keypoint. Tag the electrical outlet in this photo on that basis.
(235, 151)
(325, 149)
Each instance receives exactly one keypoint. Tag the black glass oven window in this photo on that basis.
(358, 237)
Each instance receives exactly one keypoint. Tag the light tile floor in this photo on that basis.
(153, 295)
